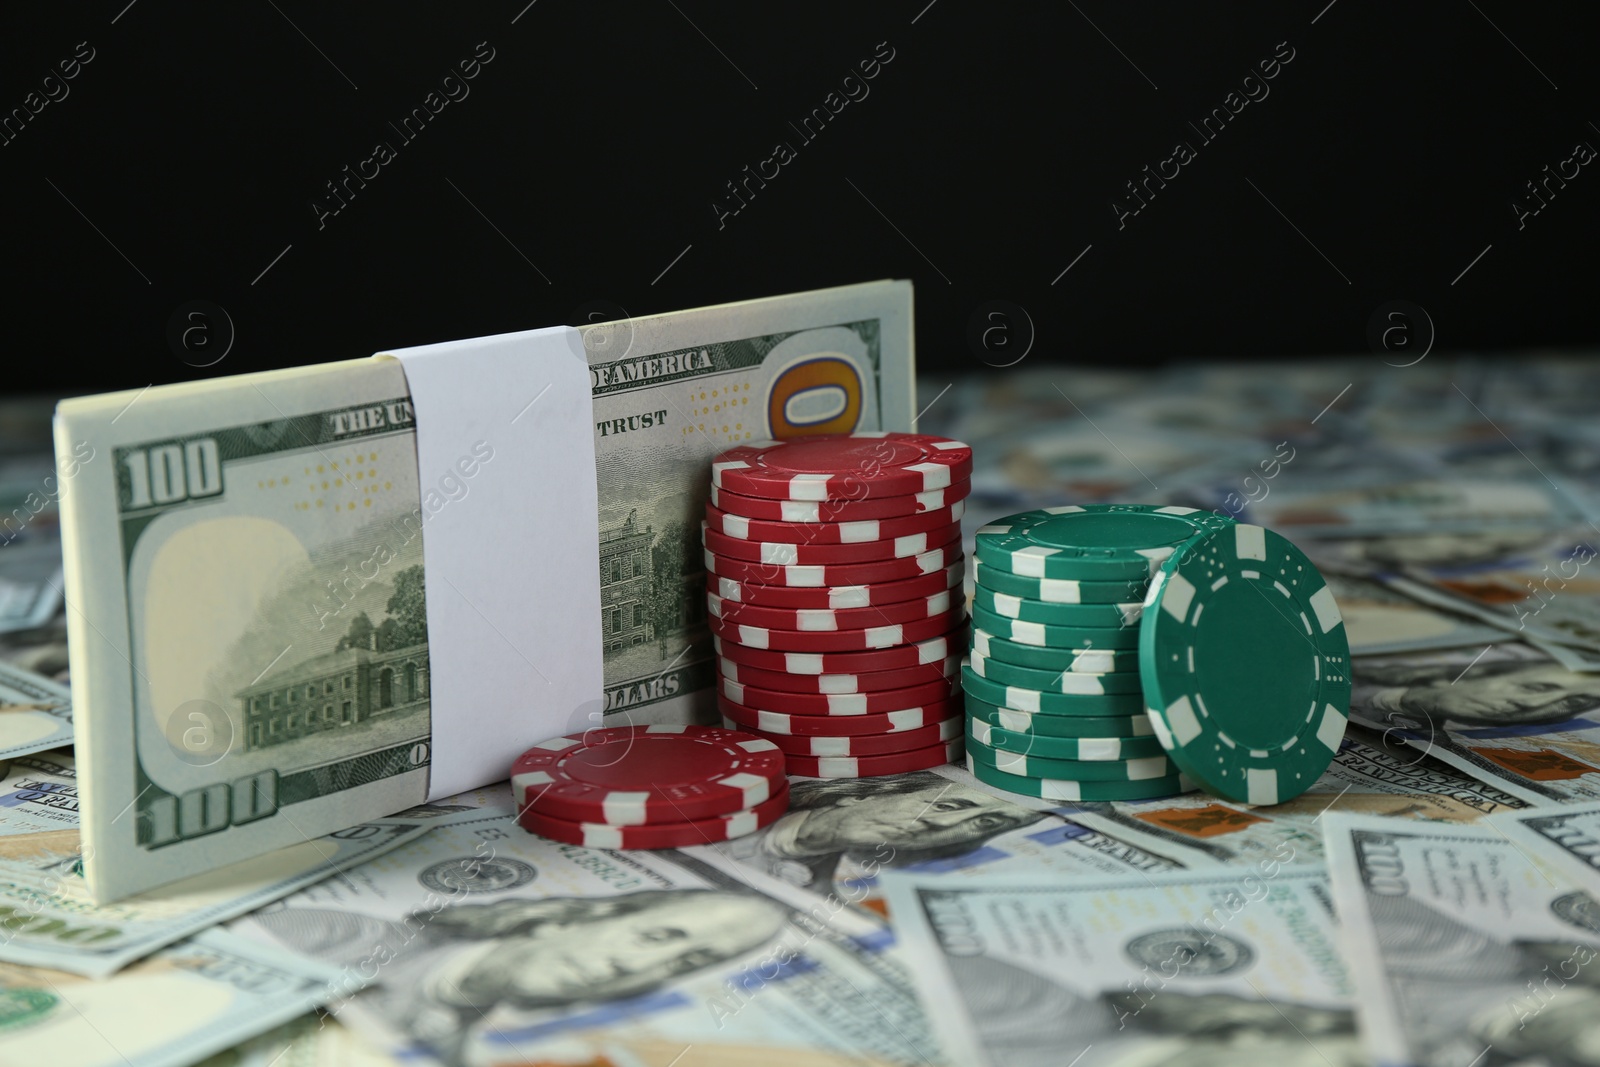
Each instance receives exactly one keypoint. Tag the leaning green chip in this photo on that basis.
(1032, 700)
(1093, 749)
(1096, 542)
(1042, 657)
(1059, 590)
(1053, 681)
(1028, 723)
(1059, 789)
(1028, 610)
(1037, 633)
(1246, 665)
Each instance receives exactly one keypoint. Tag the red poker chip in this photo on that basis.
(919, 759)
(877, 637)
(631, 775)
(837, 597)
(851, 510)
(658, 835)
(774, 724)
(856, 466)
(787, 553)
(939, 692)
(859, 532)
(817, 745)
(836, 684)
(950, 641)
(822, 620)
(816, 575)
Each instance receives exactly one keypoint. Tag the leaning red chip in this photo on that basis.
(950, 641)
(892, 723)
(873, 766)
(787, 552)
(855, 466)
(630, 775)
(830, 684)
(876, 637)
(837, 596)
(934, 694)
(822, 620)
(658, 835)
(810, 576)
(864, 744)
(882, 507)
(857, 532)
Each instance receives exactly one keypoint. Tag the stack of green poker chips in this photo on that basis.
(1098, 672)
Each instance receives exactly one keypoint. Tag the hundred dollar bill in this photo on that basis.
(246, 616)
(314, 1040)
(182, 1004)
(1368, 775)
(47, 918)
(1506, 715)
(840, 834)
(1565, 838)
(35, 713)
(670, 392)
(484, 942)
(1224, 968)
(1464, 950)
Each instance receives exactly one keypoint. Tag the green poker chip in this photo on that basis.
(1027, 610)
(1096, 542)
(1040, 657)
(1090, 749)
(1032, 700)
(1071, 770)
(1062, 789)
(1246, 665)
(1028, 723)
(1059, 590)
(1044, 636)
(1053, 681)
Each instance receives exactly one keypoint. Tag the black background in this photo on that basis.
(582, 169)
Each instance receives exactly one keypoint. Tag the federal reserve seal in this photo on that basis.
(1190, 952)
(1578, 909)
(475, 875)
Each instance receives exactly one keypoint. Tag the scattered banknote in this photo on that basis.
(840, 834)
(47, 918)
(180, 1005)
(35, 713)
(484, 942)
(1507, 715)
(1566, 838)
(1379, 620)
(316, 1039)
(1461, 946)
(1369, 775)
(1232, 968)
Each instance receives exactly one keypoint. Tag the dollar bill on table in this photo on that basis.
(35, 713)
(1508, 715)
(1379, 620)
(1225, 968)
(484, 942)
(1463, 949)
(1566, 839)
(1370, 774)
(1364, 506)
(179, 1006)
(249, 602)
(840, 834)
(47, 918)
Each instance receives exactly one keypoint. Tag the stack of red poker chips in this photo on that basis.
(641, 787)
(833, 577)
